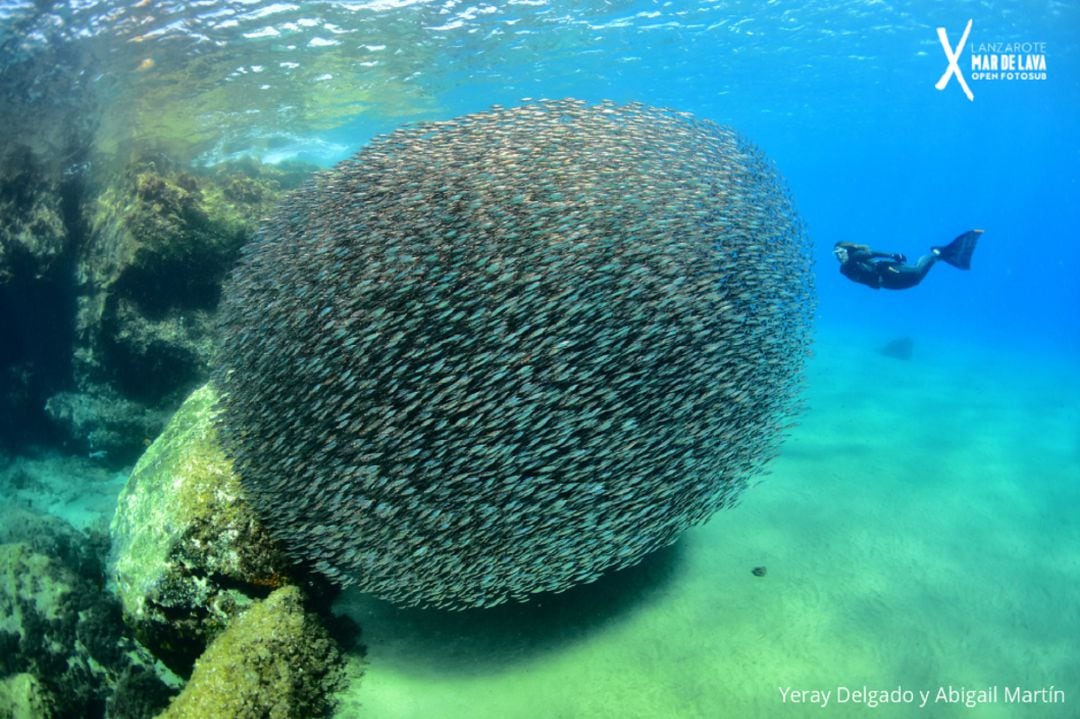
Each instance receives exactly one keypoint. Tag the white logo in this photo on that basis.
(954, 67)
(1013, 60)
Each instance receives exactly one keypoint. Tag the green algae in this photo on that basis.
(23, 697)
(275, 660)
(63, 649)
(30, 582)
(188, 552)
(33, 235)
(160, 237)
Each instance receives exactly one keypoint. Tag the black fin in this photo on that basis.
(958, 252)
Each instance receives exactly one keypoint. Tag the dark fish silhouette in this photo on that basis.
(900, 348)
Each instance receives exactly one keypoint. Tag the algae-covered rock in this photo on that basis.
(156, 239)
(188, 552)
(23, 697)
(33, 235)
(160, 241)
(36, 247)
(111, 428)
(49, 535)
(64, 632)
(161, 238)
(275, 660)
(34, 592)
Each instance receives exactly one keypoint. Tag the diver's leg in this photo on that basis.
(901, 277)
(924, 264)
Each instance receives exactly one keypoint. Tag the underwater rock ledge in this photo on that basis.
(111, 277)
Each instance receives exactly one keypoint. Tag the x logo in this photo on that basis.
(953, 68)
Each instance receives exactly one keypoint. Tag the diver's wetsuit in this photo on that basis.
(881, 269)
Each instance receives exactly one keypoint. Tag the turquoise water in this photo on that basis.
(918, 526)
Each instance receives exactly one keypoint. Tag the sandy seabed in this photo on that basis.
(918, 532)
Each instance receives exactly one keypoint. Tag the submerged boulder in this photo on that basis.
(63, 649)
(187, 551)
(160, 239)
(48, 535)
(23, 697)
(274, 660)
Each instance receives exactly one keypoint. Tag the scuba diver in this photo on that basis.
(861, 264)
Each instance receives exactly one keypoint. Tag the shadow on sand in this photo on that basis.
(481, 640)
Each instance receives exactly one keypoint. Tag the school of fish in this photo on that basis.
(505, 353)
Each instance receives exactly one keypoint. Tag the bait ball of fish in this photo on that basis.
(506, 353)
